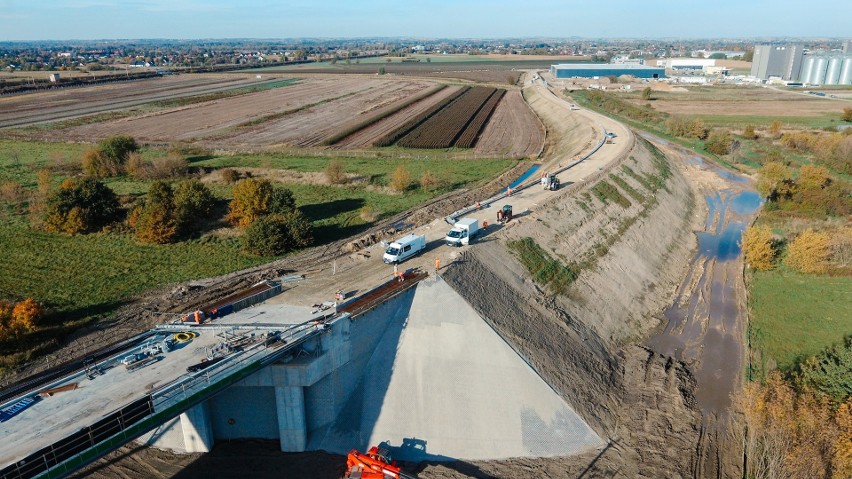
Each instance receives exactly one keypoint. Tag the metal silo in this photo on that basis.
(832, 76)
(820, 66)
(846, 72)
(807, 70)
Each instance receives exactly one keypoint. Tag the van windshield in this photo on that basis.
(454, 234)
(393, 251)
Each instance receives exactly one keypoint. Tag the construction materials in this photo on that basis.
(463, 232)
(375, 464)
(51, 391)
(206, 363)
(404, 248)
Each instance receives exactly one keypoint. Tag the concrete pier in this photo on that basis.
(197, 429)
(290, 406)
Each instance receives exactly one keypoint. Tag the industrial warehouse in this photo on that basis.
(591, 70)
(791, 63)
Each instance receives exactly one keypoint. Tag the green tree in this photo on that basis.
(193, 203)
(646, 93)
(275, 235)
(400, 179)
(748, 55)
(749, 133)
(829, 372)
(382, 69)
(335, 172)
(80, 206)
(118, 147)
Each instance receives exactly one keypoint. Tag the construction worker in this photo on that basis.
(437, 264)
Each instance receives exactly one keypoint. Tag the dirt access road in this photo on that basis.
(363, 270)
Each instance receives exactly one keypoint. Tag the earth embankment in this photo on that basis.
(629, 258)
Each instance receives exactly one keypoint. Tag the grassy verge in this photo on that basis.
(794, 316)
(545, 270)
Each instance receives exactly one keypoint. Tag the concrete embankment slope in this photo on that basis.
(587, 343)
(442, 385)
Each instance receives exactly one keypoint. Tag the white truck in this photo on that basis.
(404, 248)
(463, 232)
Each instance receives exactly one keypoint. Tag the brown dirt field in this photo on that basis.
(72, 102)
(313, 125)
(513, 130)
(366, 137)
(205, 119)
(793, 107)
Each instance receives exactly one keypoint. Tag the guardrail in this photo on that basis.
(453, 217)
(123, 425)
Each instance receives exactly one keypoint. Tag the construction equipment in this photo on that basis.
(505, 215)
(550, 182)
(376, 464)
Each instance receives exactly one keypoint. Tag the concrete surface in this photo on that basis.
(450, 388)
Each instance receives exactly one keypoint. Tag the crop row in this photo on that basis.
(442, 129)
(470, 134)
(413, 123)
(351, 130)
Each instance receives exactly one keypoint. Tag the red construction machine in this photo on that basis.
(376, 464)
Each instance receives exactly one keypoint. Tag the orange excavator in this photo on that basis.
(376, 464)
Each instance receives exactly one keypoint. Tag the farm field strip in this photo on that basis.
(392, 137)
(353, 128)
(312, 126)
(21, 110)
(204, 119)
(468, 137)
(443, 129)
(513, 131)
(365, 137)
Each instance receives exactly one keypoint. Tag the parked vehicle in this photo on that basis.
(550, 182)
(404, 248)
(463, 232)
(505, 215)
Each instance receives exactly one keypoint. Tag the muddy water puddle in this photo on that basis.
(705, 326)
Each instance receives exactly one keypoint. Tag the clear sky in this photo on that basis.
(103, 19)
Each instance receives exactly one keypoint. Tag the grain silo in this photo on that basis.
(832, 75)
(846, 72)
(820, 66)
(807, 70)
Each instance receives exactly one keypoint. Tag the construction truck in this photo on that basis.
(375, 464)
(463, 232)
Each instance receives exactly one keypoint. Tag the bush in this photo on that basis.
(774, 180)
(117, 148)
(400, 180)
(749, 133)
(275, 235)
(428, 181)
(11, 192)
(109, 157)
(18, 319)
(255, 198)
(758, 247)
(335, 173)
(809, 252)
(719, 143)
(80, 206)
(828, 372)
(847, 114)
(229, 175)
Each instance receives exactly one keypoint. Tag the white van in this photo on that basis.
(404, 248)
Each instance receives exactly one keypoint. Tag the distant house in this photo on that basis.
(54, 77)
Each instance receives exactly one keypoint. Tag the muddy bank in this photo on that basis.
(585, 344)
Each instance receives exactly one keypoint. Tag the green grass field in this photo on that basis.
(82, 277)
(741, 121)
(794, 316)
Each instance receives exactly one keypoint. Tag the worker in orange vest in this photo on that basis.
(437, 264)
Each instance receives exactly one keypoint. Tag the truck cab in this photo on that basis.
(463, 232)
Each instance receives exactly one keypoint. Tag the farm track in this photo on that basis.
(28, 109)
(444, 128)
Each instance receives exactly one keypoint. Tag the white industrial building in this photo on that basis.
(686, 63)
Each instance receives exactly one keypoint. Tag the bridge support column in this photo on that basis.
(197, 428)
(290, 405)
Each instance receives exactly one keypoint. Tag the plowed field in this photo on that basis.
(513, 130)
